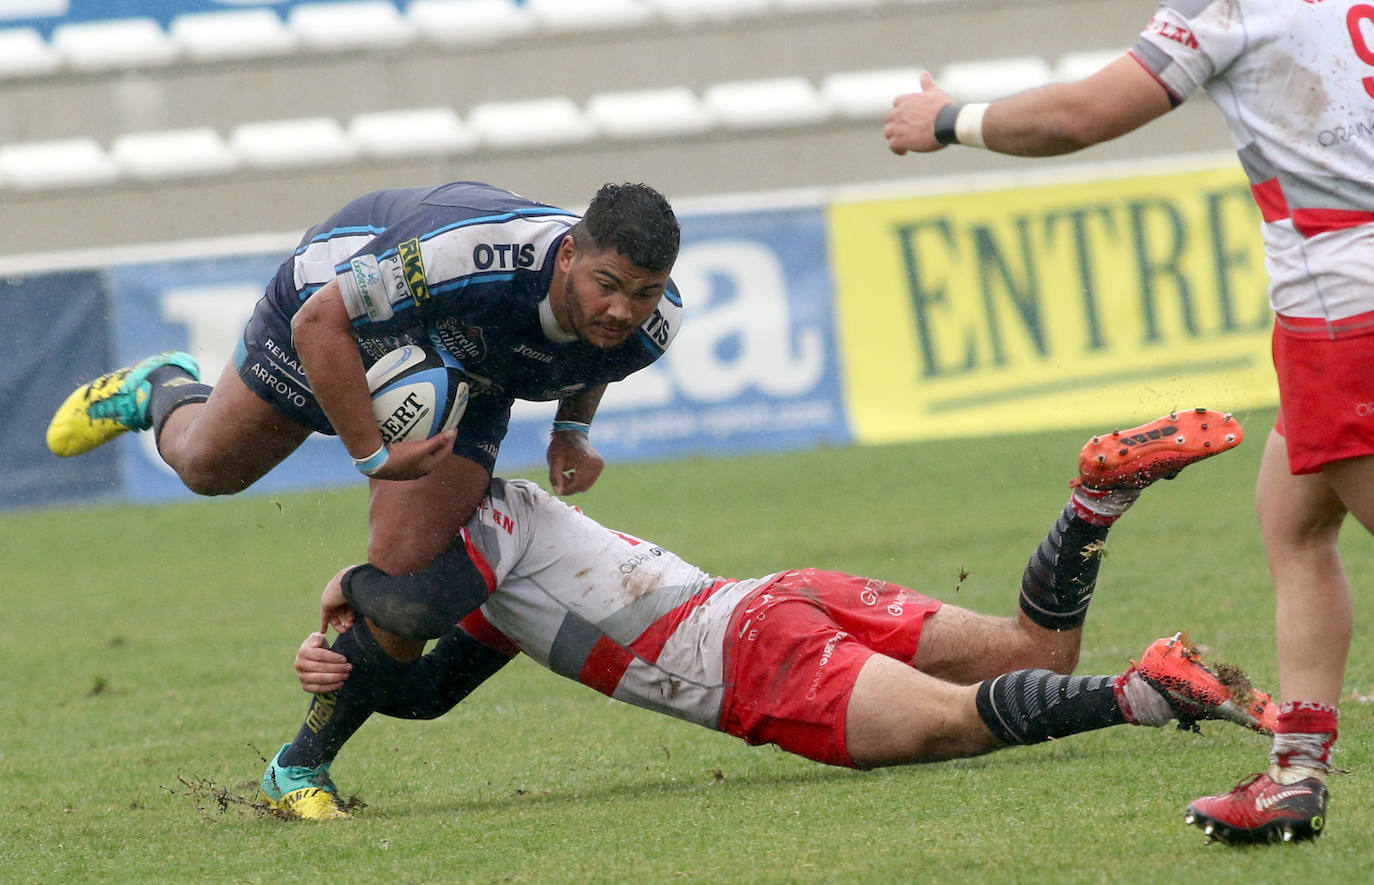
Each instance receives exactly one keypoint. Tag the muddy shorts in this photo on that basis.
(795, 647)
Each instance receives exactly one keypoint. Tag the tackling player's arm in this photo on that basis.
(324, 339)
(573, 463)
(1055, 119)
(420, 605)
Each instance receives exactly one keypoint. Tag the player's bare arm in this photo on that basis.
(328, 349)
(574, 464)
(1059, 118)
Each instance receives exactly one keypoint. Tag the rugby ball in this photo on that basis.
(417, 391)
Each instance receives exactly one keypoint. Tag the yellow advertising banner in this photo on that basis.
(1045, 306)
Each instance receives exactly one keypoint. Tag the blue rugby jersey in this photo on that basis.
(464, 266)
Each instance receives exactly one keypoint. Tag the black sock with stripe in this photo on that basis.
(1061, 575)
(1030, 706)
(172, 387)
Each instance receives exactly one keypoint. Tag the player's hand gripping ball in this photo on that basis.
(417, 391)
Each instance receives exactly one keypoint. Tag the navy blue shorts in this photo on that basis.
(269, 366)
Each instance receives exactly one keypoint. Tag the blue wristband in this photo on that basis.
(573, 426)
(372, 463)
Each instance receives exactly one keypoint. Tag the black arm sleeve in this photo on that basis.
(436, 682)
(423, 605)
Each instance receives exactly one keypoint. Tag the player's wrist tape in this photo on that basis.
(961, 124)
(372, 463)
(581, 427)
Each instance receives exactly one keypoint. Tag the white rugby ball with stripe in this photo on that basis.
(417, 391)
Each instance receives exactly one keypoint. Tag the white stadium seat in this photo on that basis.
(363, 24)
(468, 22)
(413, 132)
(173, 153)
(24, 53)
(588, 15)
(529, 122)
(689, 12)
(644, 113)
(861, 94)
(116, 43)
(66, 162)
(777, 101)
(280, 144)
(1077, 65)
(235, 33)
(993, 78)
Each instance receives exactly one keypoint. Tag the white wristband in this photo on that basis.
(968, 126)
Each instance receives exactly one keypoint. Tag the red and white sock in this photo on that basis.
(1102, 506)
(1303, 739)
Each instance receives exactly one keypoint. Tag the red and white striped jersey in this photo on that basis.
(1295, 82)
(612, 611)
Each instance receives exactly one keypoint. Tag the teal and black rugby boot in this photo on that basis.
(298, 792)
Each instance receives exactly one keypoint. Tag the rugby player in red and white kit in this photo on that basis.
(841, 669)
(1294, 80)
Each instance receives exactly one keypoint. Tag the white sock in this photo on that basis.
(1147, 706)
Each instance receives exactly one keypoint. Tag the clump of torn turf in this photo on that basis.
(208, 797)
(1095, 550)
(1237, 683)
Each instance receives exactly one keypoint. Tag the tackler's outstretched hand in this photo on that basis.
(318, 668)
(334, 608)
(910, 124)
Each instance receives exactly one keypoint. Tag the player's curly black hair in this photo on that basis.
(633, 219)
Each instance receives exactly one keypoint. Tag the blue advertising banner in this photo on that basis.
(201, 307)
(44, 15)
(55, 336)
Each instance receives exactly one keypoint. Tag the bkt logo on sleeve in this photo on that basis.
(413, 270)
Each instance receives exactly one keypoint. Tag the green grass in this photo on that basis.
(147, 658)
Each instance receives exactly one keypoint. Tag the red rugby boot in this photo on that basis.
(1132, 459)
(1195, 691)
(1260, 809)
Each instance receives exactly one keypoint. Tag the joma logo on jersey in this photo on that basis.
(504, 256)
(413, 270)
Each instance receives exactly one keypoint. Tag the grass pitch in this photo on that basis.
(147, 655)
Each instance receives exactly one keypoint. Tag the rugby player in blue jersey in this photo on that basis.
(535, 302)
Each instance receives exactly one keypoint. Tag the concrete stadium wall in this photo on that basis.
(928, 34)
